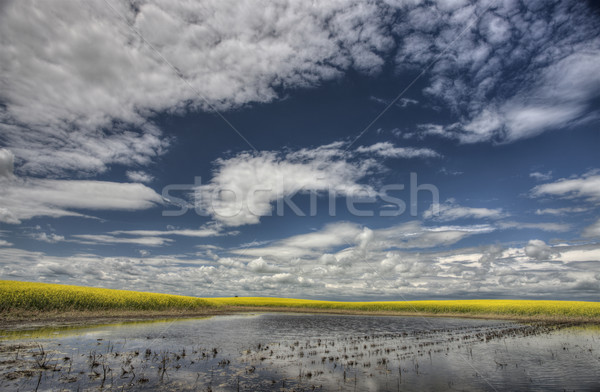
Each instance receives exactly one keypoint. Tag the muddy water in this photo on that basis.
(304, 352)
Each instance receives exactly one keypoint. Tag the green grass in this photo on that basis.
(42, 297)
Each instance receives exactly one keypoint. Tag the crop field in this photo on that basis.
(559, 309)
(25, 296)
(15, 296)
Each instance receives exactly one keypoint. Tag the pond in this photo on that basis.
(304, 352)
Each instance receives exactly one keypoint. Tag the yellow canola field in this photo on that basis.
(499, 307)
(57, 297)
(15, 296)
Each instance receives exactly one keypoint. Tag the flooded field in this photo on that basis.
(304, 352)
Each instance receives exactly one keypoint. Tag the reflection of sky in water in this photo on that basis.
(271, 351)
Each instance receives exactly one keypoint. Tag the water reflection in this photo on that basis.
(305, 352)
(70, 330)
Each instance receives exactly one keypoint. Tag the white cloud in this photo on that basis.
(23, 199)
(347, 237)
(561, 211)
(67, 76)
(5, 243)
(593, 230)
(49, 238)
(332, 236)
(545, 226)
(475, 75)
(139, 176)
(7, 161)
(351, 273)
(79, 87)
(404, 102)
(401, 103)
(413, 235)
(449, 172)
(229, 262)
(244, 187)
(54, 152)
(541, 176)
(206, 231)
(538, 250)
(450, 211)
(586, 186)
(430, 129)
(261, 266)
(571, 254)
(153, 237)
(109, 239)
(388, 150)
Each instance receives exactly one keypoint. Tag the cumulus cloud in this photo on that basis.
(261, 266)
(538, 250)
(450, 210)
(229, 262)
(23, 199)
(535, 270)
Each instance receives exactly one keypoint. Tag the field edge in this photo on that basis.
(32, 304)
(10, 321)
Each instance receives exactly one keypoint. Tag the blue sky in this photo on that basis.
(255, 121)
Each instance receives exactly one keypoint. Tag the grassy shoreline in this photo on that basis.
(30, 305)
